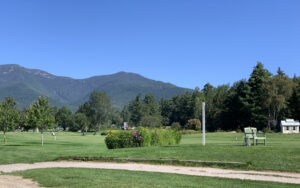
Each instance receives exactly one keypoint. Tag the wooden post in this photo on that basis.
(203, 123)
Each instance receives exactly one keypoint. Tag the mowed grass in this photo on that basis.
(282, 152)
(77, 177)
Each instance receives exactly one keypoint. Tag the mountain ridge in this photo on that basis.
(26, 84)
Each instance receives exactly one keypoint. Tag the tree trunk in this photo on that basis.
(269, 121)
(100, 124)
(4, 138)
(42, 139)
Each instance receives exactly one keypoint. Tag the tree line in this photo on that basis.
(42, 117)
(261, 101)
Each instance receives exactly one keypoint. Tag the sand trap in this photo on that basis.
(16, 182)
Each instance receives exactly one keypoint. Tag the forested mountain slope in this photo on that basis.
(26, 84)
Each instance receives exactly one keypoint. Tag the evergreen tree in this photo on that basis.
(237, 108)
(217, 107)
(294, 101)
(209, 92)
(198, 98)
(136, 110)
(125, 114)
(150, 105)
(259, 113)
(183, 108)
(166, 108)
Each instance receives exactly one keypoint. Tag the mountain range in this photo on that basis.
(25, 85)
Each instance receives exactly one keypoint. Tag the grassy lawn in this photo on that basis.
(76, 177)
(281, 153)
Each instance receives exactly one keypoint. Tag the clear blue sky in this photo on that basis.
(187, 42)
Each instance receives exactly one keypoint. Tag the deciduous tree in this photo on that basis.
(279, 89)
(63, 117)
(9, 115)
(100, 103)
(40, 115)
(81, 122)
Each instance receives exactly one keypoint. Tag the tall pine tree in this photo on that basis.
(259, 113)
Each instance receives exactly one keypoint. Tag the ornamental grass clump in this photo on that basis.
(141, 137)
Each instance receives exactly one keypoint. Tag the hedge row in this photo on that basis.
(141, 137)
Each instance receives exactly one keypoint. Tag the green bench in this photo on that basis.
(252, 134)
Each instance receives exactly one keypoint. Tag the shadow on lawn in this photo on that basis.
(14, 145)
(171, 146)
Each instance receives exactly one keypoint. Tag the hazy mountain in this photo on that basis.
(25, 85)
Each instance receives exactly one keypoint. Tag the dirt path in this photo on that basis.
(283, 177)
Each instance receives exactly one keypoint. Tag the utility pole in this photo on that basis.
(203, 123)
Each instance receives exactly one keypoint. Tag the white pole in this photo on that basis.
(203, 123)
(42, 139)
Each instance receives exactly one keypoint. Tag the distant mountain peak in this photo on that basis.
(11, 68)
(127, 73)
(26, 84)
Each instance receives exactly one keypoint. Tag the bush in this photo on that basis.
(176, 126)
(157, 138)
(142, 137)
(151, 121)
(177, 136)
(266, 130)
(104, 133)
(193, 124)
(189, 132)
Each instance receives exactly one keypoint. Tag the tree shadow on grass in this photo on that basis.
(14, 145)
(171, 146)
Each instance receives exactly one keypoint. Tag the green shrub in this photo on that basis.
(112, 140)
(177, 136)
(266, 130)
(151, 121)
(189, 132)
(193, 124)
(157, 137)
(176, 126)
(142, 137)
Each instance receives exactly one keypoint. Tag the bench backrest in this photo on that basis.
(250, 132)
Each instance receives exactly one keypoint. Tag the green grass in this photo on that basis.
(281, 153)
(76, 177)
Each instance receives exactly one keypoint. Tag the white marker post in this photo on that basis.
(203, 123)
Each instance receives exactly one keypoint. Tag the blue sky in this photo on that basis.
(187, 42)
